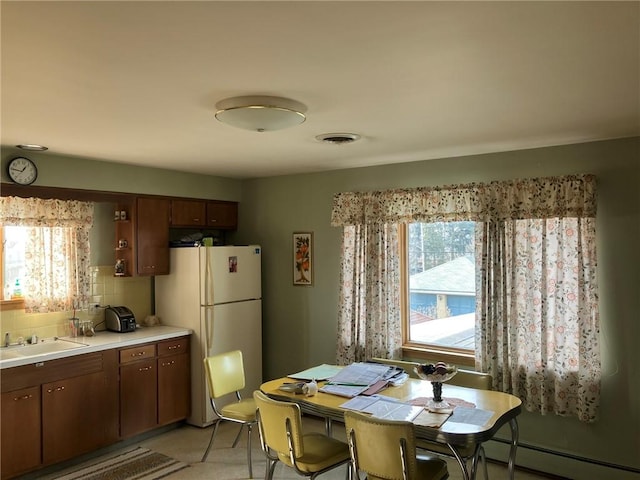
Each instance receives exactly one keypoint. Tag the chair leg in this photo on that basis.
(479, 459)
(235, 442)
(249, 451)
(483, 459)
(271, 466)
(213, 435)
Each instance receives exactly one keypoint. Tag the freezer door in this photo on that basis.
(230, 273)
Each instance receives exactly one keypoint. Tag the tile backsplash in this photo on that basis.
(106, 289)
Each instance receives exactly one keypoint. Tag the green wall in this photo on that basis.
(73, 172)
(300, 322)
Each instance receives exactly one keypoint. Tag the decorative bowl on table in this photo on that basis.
(437, 374)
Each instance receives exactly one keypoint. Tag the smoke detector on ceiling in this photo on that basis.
(338, 138)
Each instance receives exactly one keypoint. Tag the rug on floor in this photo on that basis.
(136, 464)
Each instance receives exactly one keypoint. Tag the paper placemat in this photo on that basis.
(431, 419)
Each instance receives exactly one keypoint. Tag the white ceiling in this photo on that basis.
(137, 82)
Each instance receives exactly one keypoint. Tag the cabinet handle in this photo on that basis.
(196, 219)
(144, 369)
(172, 362)
(173, 347)
(24, 397)
(57, 389)
(213, 220)
(138, 354)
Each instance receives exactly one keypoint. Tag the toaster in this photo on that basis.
(119, 319)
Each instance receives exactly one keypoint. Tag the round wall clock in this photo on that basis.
(22, 171)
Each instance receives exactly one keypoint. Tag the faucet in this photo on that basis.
(7, 339)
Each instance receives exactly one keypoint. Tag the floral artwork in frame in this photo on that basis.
(303, 258)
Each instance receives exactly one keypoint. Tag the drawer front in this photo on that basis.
(173, 347)
(134, 354)
(49, 371)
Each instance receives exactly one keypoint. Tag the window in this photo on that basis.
(440, 277)
(536, 320)
(13, 262)
(45, 255)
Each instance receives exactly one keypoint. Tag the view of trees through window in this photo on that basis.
(442, 284)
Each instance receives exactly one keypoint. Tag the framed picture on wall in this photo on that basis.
(303, 258)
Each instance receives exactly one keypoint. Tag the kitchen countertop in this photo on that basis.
(102, 340)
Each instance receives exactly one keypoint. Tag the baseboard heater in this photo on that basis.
(569, 456)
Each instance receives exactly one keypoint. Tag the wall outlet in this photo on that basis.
(93, 308)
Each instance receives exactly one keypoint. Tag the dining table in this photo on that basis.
(480, 414)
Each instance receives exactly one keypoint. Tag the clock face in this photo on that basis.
(22, 171)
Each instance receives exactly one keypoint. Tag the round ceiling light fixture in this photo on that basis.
(260, 113)
(338, 138)
(33, 147)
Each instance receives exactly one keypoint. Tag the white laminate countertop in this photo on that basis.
(102, 340)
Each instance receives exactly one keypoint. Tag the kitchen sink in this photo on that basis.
(44, 347)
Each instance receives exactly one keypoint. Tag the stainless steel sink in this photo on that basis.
(44, 347)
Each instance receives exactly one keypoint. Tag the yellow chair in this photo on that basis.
(282, 439)
(386, 449)
(225, 375)
(464, 378)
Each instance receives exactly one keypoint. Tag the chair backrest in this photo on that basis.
(404, 364)
(225, 373)
(382, 448)
(277, 421)
(471, 379)
(464, 378)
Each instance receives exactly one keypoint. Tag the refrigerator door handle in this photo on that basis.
(208, 278)
(208, 329)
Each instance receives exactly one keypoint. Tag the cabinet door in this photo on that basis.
(138, 397)
(223, 215)
(20, 438)
(74, 416)
(152, 228)
(188, 213)
(174, 400)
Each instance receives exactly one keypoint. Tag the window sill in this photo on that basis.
(432, 354)
(15, 304)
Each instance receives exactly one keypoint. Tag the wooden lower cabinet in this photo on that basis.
(73, 413)
(154, 391)
(56, 410)
(174, 381)
(138, 397)
(21, 416)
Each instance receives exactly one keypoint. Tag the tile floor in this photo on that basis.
(187, 443)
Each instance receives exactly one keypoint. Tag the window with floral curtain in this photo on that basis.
(57, 276)
(537, 319)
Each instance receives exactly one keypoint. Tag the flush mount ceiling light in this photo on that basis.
(338, 138)
(260, 113)
(32, 147)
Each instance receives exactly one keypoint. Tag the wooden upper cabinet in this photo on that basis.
(188, 213)
(223, 215)
(204, 213)
(152, 235)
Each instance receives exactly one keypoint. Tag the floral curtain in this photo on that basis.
(57, 276)
(537, 319)
(369, 315)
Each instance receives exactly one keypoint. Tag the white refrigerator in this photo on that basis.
(217, 293)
